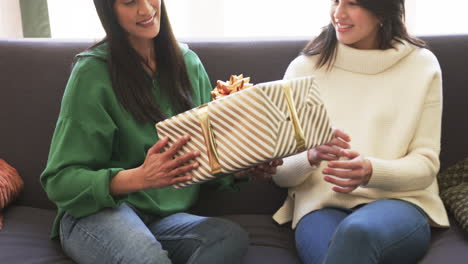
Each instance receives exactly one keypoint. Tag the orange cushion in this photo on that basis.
(10, 186)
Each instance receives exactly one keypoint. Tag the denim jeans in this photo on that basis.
(126, 235)
(384, 231)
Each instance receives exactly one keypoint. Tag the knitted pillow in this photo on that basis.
(10, 186)
(453, 183)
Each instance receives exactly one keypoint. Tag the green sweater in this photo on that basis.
(95, 138)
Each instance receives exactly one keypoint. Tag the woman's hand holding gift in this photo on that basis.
(331, 150)
(160, 169)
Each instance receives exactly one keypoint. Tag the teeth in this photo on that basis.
(344, 26)
(147, 21)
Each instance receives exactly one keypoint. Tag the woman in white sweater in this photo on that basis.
(370, 195)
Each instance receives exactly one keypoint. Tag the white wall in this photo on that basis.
(273, 18)
(10, 19)
(434, 17)
(197, 18)
(74, 19)
(253, 18)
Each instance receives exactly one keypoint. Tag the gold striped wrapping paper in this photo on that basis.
(251, 127)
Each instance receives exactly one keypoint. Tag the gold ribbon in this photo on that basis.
(299, 134)
(210, 143)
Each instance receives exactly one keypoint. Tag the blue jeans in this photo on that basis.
(385, 231)
(126, 235)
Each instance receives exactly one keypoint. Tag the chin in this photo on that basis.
(155, 33)
(152, 36)
(346, 41)
(149, 35)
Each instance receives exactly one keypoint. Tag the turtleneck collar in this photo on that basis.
(370, 61)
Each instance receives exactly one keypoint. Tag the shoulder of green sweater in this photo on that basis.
(89, 84)
(92, 63)
(100, 52)
(87, 73)
(90, 66)
(191, 58)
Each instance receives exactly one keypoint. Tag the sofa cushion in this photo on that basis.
(456, 200)
(271, 243)
(454, 175)
(26, 241)
(264, 232)
(447, 246)
(25, 237)
(453, 183)
(270, 255)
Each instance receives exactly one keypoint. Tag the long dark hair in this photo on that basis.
(391, 14)
(131, 84)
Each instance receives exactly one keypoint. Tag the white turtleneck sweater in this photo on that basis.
(390, 103)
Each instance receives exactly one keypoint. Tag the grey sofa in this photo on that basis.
(33, 74)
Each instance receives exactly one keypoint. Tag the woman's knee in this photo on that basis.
(232, 234)
(110, 236)
(355, 230)
(357, 233)
(227, 242)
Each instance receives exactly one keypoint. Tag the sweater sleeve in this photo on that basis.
(198, 78)
(418, 169)
(77, 174)
(204, 84)
(294, 171)
(300, 67)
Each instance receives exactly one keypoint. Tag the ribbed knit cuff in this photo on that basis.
(380, 174)
(302, 165)
(294, 170)
(101, 189)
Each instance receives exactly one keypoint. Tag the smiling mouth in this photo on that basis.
(343, 26)
(146, 22)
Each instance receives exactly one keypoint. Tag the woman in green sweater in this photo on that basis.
(107, 176)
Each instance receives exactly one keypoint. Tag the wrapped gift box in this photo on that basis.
(268, 121)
